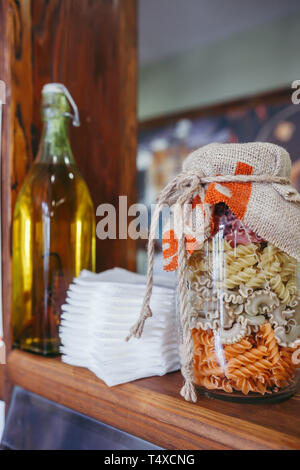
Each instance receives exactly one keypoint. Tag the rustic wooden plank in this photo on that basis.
(5, 191)
(153, 409)
(15, 70)
(91, 47)
(5, 179)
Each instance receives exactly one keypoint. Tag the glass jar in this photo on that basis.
(243, 301)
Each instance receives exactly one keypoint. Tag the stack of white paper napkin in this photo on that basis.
(100, 309)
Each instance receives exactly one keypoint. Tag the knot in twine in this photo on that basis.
(181, 190)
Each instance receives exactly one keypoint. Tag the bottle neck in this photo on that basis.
(55, 145)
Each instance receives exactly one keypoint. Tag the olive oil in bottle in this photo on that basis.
(53, 230)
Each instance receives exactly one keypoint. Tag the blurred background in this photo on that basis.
(201, 52)
(214, 71)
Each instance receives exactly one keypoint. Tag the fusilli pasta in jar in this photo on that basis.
(234, 239)
(243, 313)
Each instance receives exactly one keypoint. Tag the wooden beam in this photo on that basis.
(16, 72)
(5, 184)
(90, 46)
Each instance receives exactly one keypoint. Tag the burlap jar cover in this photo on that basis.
(253, 180)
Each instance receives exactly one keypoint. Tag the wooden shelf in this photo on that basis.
(153, 409)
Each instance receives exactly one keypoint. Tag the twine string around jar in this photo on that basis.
(181, 190)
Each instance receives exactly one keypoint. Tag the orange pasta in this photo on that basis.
(268, 339)
(255, 364)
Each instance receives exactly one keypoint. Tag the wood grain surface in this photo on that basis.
(16, 72)
(90, 46)
(153, 409)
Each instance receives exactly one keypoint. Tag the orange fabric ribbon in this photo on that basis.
(235, 195)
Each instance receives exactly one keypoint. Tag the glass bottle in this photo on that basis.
(53, 230)
(243, 300)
